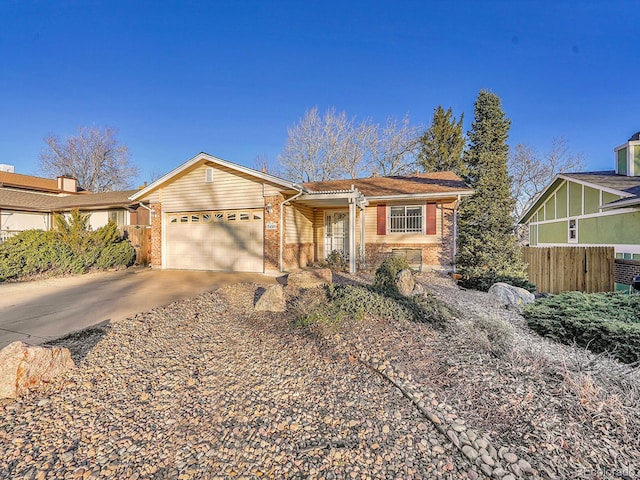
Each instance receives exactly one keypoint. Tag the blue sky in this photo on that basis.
(229, 77)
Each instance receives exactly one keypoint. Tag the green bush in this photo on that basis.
(387, 272)
(337, 261)
(121, 254)
(28, 253)
(601, 322)
(70, 249)
(483, 280)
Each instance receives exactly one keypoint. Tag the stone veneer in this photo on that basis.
(156, 236)
(298, 255)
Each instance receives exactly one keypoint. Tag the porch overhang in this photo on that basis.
(335, 198)
(353, 199)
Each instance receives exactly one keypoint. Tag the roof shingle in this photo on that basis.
(421, 183)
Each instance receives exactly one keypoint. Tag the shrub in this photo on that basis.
(387, 272)
(337, 261)
(28, 253)
(355, 302)
(483, 280)
(601, 322)
(121, 254)
(493, 335)
(70, 249)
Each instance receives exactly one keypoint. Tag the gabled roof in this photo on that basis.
(607, 180)
(203, 157)
(39, 202)
(421, 184)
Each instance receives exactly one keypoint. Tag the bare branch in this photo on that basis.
(94, 157)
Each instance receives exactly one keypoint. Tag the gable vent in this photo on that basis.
(208, 175)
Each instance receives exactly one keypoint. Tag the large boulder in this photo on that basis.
(510, 296)
(23, 367)
(271, 300)
(405, 282)
(310, 278)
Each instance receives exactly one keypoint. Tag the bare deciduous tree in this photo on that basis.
(93, 156)
(333, 146)
(394, 147)
(530, 173)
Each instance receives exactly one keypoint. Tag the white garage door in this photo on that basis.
(230, 240)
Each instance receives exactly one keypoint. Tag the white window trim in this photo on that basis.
(208, 175)
(423, 225)
(569, 239)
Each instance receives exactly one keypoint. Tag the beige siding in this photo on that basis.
(371, 229)
(299, 226)
(229, 189)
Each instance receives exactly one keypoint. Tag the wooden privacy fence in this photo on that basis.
(140, 238)
(565, 269)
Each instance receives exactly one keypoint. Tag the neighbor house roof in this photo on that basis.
(608, 180)
(400, 185)
(28, 182)
(38, 202)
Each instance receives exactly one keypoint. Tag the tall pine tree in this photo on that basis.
(487, 247)
(442, 144)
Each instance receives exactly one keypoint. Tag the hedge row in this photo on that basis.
(601, 322)
(76, 250)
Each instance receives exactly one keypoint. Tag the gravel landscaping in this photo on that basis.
(209, 388)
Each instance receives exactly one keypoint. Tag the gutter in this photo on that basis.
(301, 191)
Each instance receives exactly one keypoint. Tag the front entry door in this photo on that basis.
(336, 236)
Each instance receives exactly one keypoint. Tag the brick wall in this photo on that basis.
(438, 255)
(156, 236)
(272, 237)
(626, 270)
(298, 255)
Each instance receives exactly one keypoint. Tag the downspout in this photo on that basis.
(282, 205)
(455, 232)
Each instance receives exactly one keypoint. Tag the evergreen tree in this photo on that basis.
(442, 144)
(487, 247)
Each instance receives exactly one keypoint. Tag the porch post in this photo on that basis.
(362, 239)
(352, 235)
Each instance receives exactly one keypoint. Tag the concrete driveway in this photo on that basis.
(38, 311)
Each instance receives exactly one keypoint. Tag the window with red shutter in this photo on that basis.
(382, 219)
(431, 219)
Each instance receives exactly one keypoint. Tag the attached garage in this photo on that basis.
(224, 240)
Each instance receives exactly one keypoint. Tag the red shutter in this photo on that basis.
(382, 219)
(431, 218)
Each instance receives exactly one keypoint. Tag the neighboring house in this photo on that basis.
(28, 202)
(594, 209)
(211, 214)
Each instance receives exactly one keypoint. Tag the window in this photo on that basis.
(257, 215)
(184, 218)
(244, 216)
(218, 217)
(573, 230)
(195, 218)
(206, 218)
(231, 217)
(117, 217)
(208, 175)
(173, 219)
(405, 219)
